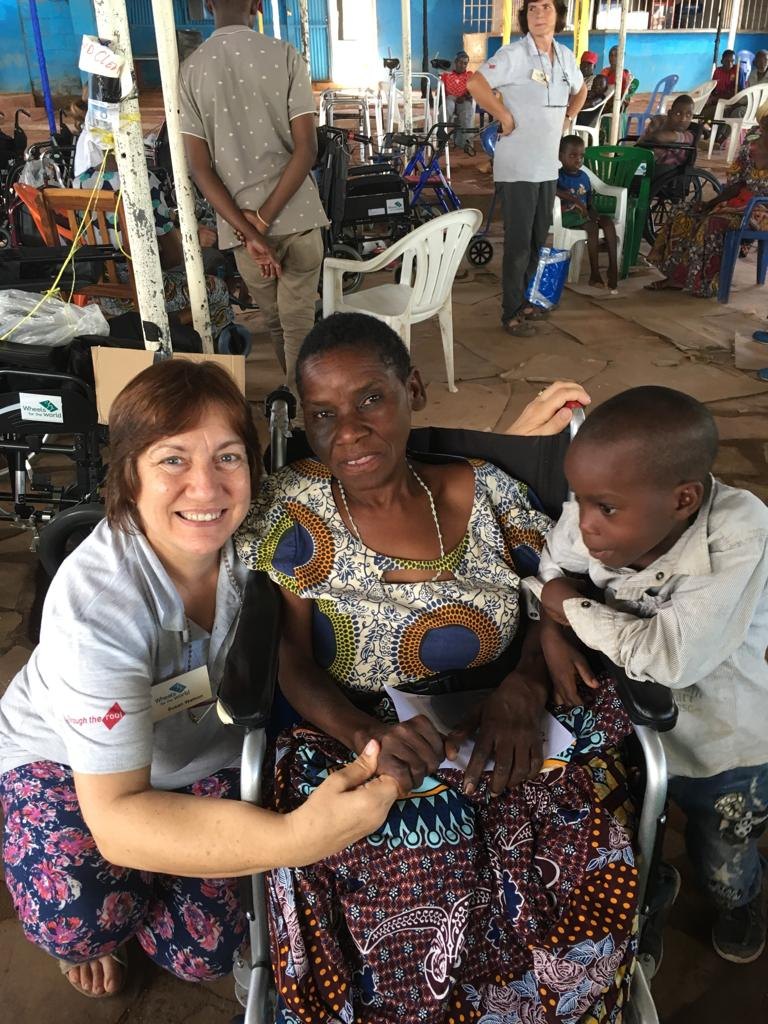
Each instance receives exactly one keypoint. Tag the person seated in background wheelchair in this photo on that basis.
(672, 129)
(119, 784)
(682, 563)
(689, 246)
(506, 892)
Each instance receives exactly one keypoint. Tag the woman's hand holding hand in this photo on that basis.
(508, 726)
(409, 751)
(349, 805)
(567, 665)
(547, 414)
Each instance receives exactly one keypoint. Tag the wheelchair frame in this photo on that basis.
(650, 707)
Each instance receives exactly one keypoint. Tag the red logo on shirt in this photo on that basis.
(113, 716)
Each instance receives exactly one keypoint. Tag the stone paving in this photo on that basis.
(609, 344)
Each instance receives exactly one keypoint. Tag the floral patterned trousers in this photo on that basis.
(78, 907)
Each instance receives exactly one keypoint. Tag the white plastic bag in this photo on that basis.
(54, 323)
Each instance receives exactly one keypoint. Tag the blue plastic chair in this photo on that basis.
(744, 59)
(655, 103)
(731, 244)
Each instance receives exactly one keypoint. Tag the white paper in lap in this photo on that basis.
(446, 711)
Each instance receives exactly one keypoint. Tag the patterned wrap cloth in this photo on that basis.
(517, 908)
(689, 247)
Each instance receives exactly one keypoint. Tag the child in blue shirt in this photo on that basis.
(574, 190)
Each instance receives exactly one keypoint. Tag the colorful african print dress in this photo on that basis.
(689, 247)
(499, 910)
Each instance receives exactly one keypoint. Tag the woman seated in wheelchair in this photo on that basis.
(118, 782)
(689, 246)
(673, 130)
(574, 190)
(501, 894)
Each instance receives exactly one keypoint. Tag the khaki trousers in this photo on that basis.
(287, 302)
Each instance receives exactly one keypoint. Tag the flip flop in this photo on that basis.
(518, 327)
(119, 955)
(532, 313)
(761, 336)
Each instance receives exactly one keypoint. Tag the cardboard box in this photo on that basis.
(114, 367)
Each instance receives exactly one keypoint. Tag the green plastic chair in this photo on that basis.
(629, 167)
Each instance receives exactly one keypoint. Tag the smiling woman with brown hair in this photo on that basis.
(500, 892)
(110, 755)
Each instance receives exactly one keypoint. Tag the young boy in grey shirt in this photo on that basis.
(682, 562)
(248, 120)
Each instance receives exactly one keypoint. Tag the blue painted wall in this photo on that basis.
(19, 70)
(652, 55)
(445, 28)
(14, 72)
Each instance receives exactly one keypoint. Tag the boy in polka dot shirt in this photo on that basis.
(248, 120)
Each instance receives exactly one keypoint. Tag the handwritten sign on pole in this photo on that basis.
(98, 58)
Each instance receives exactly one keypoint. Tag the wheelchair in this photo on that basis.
(45, 411)
(538, 461)
(672, 186)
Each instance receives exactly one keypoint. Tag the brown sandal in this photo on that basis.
(518, 327)
(119, 955)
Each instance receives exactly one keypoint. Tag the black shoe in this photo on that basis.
(739, 935)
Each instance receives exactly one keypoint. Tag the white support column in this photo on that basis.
(734, 26)
(304, 24)
(618, 91)
(168, 56)
(112, 24)
(276, 19)
(407, 67)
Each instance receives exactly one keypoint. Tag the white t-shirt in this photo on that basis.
(536, 94)
(113, 625)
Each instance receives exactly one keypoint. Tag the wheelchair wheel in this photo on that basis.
(480, 251)
(351, 281)
(670, 190)
(65, 531)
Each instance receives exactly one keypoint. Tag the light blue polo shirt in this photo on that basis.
(518, 71)
(113, 625)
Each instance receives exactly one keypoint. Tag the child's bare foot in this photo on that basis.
(596, 281)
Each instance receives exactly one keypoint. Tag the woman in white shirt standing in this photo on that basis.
(530, 87)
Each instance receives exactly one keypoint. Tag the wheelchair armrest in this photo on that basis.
(250, 673)
(649, 704)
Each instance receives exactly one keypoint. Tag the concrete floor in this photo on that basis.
(609, 344)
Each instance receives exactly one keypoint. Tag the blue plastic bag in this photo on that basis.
(546, 285)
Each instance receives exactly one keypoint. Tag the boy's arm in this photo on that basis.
(214, 190)
(296, 170)
(562, 552)
(704, 621)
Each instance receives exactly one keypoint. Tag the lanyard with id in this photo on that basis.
(181, 693)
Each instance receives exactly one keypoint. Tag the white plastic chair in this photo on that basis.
(756, 96)
(590, 133)
(699, 95)
(575, 240)
(431, 256)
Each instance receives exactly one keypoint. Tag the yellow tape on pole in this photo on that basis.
(580, 27)
(506, 22)
(260, 22)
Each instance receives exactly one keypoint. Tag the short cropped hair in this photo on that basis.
(561, 16)
(682, 101)
(570, 140)
(168, 398)
(675, 436)
(356, 331)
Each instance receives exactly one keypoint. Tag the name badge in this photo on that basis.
(538, 76)
(180, 693)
